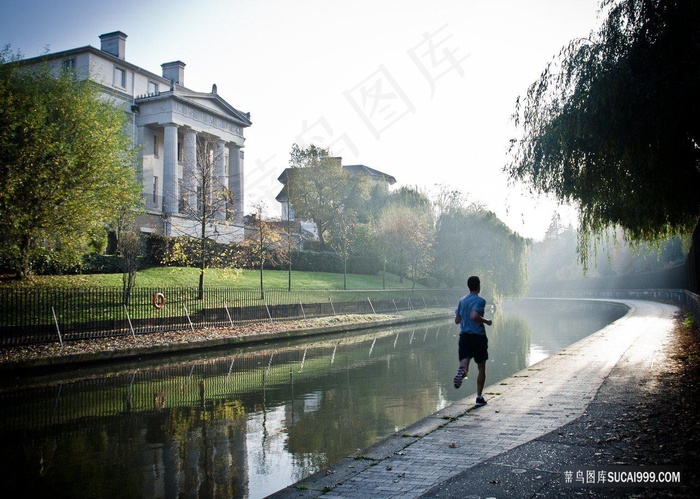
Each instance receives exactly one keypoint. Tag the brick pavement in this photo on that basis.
(528, 405)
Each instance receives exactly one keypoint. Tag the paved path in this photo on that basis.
(436, 455)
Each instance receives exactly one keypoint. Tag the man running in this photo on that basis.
(473, 343)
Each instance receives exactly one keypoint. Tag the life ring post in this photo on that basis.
(158, 300)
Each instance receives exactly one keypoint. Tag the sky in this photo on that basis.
(423, 90)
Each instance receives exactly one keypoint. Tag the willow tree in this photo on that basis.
(613, 124)
(66, 165)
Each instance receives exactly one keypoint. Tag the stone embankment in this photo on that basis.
(171, 342)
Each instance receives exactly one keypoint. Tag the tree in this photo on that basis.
(342, 235)
(206, 200)
(404, 237)
(66, 165)
(613, 124)
(475, 242)
(129, 248)
(264, 244)
(319, 189)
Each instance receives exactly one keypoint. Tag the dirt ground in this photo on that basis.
(665, 427)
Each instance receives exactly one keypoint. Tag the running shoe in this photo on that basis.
(459, 377)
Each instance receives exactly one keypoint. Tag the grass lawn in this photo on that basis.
(246, 279)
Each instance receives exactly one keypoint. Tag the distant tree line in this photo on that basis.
(436, 242)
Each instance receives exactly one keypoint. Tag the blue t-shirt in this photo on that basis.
(470, 302)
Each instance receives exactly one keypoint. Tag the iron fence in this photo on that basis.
(681, 297)
(29, 316)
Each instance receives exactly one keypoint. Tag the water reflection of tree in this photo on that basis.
(203, 448)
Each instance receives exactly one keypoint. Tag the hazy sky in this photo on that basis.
(420, 89)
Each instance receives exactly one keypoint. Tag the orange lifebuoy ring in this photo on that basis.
(158, 300)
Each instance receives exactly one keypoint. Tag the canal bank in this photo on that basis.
(585, 406)
(27, 358)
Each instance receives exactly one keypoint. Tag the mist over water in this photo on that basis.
(247, 422)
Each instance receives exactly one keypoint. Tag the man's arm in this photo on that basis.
(478, 318)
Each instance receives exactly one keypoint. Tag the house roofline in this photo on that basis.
(244, 118)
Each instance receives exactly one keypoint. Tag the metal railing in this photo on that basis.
(681, 297)
(29, 316)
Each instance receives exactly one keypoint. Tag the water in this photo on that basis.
(247, 422)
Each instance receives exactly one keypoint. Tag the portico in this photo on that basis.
(192, 153)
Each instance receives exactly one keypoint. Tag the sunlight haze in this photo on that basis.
(421, 90)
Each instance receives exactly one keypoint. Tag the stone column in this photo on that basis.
(189, 152)
(146, 178)
(235, 180)
(219, 180)
(141, 139)
(170, 187)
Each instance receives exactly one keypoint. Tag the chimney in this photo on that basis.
(114, 43)
(174, 71)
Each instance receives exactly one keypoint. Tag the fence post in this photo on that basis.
(129, 319)
(227, 313)
(188, 317)
(268, 311)
(60, 340)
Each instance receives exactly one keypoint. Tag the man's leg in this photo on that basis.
(480, 378)
(461, 372)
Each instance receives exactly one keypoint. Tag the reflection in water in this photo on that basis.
(248, 422)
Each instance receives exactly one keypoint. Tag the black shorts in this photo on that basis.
(473, 346)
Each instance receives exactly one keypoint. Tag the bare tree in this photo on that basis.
(205, 198)
(342, 238)
(264, 244)
(129, 247)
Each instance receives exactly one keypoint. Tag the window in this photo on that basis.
(155, 189)
(155, 146)
(120, 77)
(179, 151)
(182, 202)
(69, 65)
(152, 88)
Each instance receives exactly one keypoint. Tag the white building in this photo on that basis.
(172, 125)
(384, 180)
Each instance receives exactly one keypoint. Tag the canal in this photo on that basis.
(247, 422)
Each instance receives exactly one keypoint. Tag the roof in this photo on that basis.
(371, 172)
(375, 174)
(243, 118)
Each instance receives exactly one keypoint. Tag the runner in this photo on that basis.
(473, 343)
